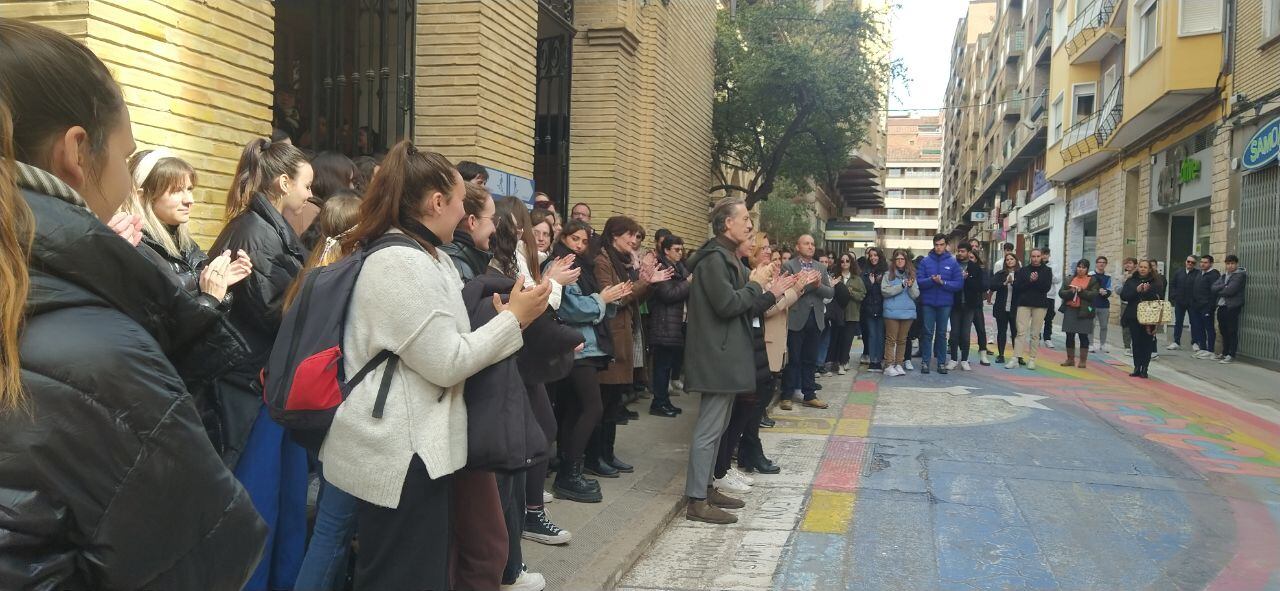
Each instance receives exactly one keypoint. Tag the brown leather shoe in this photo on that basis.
(708, 513)
(815, 403)
(719, 499)
(785, 404)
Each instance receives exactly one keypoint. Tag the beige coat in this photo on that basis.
(775, 330)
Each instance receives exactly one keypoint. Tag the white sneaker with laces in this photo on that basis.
(1049, 343)
(1093, 348)
(893, 371)
(1031, 364)
(743, 478)
(1154, 356)
(1128, 352)
(547, 497)
(951, 365)
(731, 484)
(841, 371)
(1195, 347)
(1012, 363)
(907, 364)
(964, 365)
(527, 581)
(1217, 357)
(1174, 346)
(1226, 359)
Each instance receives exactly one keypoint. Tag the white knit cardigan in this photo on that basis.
(409, 302)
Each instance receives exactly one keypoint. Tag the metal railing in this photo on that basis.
(1046, 25)
(1037, 106)
(1111, 114)
(1095, 15)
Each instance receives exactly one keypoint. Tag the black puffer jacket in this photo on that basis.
(107, 479)
(185, 266)
(666, 307)
(277, 259)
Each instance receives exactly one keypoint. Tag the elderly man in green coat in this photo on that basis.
(719, 361)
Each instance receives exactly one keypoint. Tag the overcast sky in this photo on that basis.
(922, 35)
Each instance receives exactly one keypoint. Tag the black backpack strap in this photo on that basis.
(390, 239)
(393, 361)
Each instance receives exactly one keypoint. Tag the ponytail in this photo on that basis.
(15, 244)
(514, 231)
(396, 193)
(261, 163)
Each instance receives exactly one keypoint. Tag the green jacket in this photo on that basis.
(857, 293)
(718, 353)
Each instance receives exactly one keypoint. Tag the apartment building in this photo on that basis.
(913, 178)
(499, 82)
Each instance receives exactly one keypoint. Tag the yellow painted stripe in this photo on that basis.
(829, 512)
(853, 427)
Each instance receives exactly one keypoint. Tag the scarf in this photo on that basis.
(42, 181)
(587, 279)
(421, 233)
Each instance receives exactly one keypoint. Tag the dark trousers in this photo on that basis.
(1144, 344)
(802, 354)
(980, 327)
(744, 407)
(1180, 313)
(479, 552)
(1229, 323)
(537, 473)
(583, 407)
(1049, 315)
(750, 443)
(1006, 326)
(665, 360)
(961, 327)
(1084, 343)
(408, 547)
(511, 491)
(842, 342)
(1202, 327)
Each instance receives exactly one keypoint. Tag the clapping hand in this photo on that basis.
(1035, 275)
(781, 284)
(213, 279)
(615, 292)
(937, 279)
(128, 226)
(526, 304)
(561, 270)
(655, 273)
(240, 268)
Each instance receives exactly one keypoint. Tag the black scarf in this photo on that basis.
(420, 232)
(586, 279)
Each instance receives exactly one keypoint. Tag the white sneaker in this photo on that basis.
(1217, 357)
(964, 365)
(731, 484)
(1093, 348)
(1176, 346)
(827, 374)
(907, 364)
(677, 385)
(1031, 364)
(983, 359)
(898, 371)
(842, 370)
(1205, 354)
(547, 497)
(527, 581)
(1128, 352)
(1226, 359)
(743, 478)
(1049, 343)
(1195, 347)
(1012, 363)
(1154, 356)
(951, 365)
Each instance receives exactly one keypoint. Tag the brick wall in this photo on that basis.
(196, 77)
(476, 81)
(1257, 69)
(641, 112)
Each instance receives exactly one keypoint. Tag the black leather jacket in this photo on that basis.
(108, 480)
(666, 307)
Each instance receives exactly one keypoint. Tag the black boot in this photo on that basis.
(608, 436)
(594, 463)
(570, 484)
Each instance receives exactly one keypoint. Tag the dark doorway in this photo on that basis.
(551, 123)
(344, 73)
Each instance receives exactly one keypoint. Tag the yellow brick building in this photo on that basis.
(600, 101)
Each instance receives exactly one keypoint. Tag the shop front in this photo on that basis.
(1259, 236)
(1042, 226)
(1181, 191)
(1084, 227)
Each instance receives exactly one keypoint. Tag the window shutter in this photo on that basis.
(1197, 17)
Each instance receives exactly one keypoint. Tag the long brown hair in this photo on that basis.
(407, 176)
(168, 174)
(15, 244)
(338, 217)
(893, 265)
(514, 231)
(261, 163)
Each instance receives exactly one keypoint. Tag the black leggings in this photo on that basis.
(842, 343)
(546, 419)
(743, 408)
(1084, 341)
(583, 408)
(980, 327)
(1006, 325)
(1144, 343)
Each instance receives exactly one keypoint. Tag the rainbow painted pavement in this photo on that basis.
(1059, 478)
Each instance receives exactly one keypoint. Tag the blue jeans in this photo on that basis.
(802, 361)
(324, 567)
(934, 330)
(873, 333)
(824, 344)
(665, 360)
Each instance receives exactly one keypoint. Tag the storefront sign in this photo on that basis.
(1038, 221)
(1263, 148)
(502, 183)
(1189, 170)
(1084, 204)
(1178, 178)
(1039, 185)
(846, 231)
(978, 216)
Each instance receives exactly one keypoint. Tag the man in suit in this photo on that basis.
(805, 321)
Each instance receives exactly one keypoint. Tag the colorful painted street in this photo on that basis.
(1059, 478)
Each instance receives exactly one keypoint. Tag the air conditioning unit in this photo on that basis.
(1020, 198)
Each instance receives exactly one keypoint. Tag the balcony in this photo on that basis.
(1092, 34)
(1042, 31)
(1011, 110)
(1017, 45)
(1084, 145)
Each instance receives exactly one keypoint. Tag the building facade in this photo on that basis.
(909, 217)
(499, 82)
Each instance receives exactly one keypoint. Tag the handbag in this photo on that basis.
(1154, 312)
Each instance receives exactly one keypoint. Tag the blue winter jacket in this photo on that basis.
(948, 268)
(899, 302)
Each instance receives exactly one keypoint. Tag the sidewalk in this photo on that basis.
(609, 537)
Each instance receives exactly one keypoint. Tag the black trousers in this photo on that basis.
(1049, 315)
(407, 547)
(980, 327)
(579, 397)
(1229, 323)
(1084, 342)
(1144, 344)
(511, 491)
(842, 342)
(750, 443)
(1006, 326)
(547, 420)
(744, 406)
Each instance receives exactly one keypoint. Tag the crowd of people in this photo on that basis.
(490, 344)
